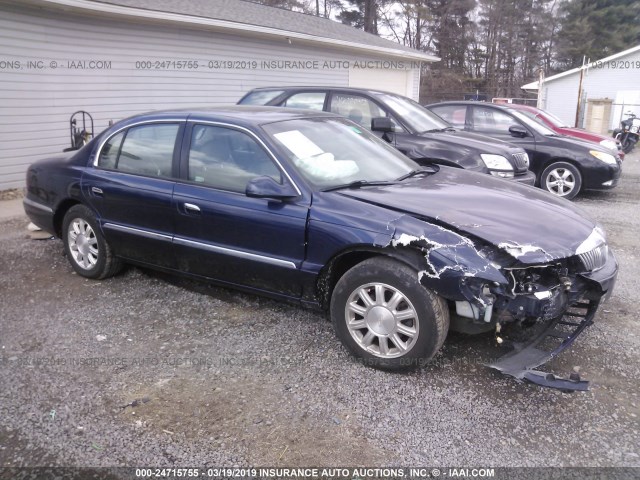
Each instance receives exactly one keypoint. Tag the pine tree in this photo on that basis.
(595, 29)
(363, 14)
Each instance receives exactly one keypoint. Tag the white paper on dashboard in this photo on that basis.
(299, 145)
(325, 167)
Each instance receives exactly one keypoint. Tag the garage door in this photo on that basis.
(396, 81)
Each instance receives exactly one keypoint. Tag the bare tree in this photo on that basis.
(493, 46)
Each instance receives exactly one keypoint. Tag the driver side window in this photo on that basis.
(227, 159)
(491, 120)
(454, 114)
(358, 109)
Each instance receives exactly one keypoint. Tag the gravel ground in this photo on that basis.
(146, 369)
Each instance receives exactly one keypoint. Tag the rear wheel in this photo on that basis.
(89, 253)
(561, 179)
(385, 317)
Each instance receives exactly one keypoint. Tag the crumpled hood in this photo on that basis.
(532, 225)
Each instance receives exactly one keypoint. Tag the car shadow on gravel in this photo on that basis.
(240, 398)
(462, 355)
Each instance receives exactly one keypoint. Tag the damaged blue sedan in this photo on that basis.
(312, 208)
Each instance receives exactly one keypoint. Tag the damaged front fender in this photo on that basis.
(454, 266)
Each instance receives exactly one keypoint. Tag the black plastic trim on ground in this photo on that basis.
(523, 359)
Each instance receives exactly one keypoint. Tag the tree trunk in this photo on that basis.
(370, 14)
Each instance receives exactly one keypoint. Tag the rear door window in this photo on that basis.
(148, 150)
(142, 150)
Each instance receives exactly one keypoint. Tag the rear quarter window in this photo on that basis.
(109, 153)
(261, 97)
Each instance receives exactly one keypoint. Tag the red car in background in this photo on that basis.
(554, 123)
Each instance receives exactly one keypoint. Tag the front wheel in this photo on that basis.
(385, 317)
(89, 253)
(627, 144)
(561, 179)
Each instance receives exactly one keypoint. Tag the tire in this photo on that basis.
(88, 252)
(420, 330)
(561, 179)
(627, 144)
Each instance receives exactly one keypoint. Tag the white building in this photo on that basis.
(616, 78)
(115, 58)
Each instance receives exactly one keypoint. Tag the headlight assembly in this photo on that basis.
(497, 164)
(605, 157)
(595, 239)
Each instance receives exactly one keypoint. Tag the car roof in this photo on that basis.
(246, 115)
(528, 108)
(470, 102)
(321, 87)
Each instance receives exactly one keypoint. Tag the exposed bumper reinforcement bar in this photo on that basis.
(524, 358)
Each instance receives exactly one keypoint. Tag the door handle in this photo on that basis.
(97, 191)
(191, 208)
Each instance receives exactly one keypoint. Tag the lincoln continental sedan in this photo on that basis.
(310, 207)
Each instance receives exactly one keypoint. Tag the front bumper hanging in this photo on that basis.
(525, 357)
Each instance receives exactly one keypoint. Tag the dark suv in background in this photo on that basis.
(416, 132)
(563, 165)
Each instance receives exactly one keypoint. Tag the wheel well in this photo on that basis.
(339, 265)
(61, 211)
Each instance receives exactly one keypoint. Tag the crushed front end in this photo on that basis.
(553, 304)
(543, 308)
(536, 302)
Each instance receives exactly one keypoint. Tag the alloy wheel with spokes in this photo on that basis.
(561, 179)
(386, 317)
(88, 251)
(382, 320)
(83, 243)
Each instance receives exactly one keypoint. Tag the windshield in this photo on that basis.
(329, 152)
(555, 120)
(550, 117)
(532, 124)
(415, 115)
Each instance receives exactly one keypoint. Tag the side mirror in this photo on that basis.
(267, 187)
(518, 131)
(381, 124)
